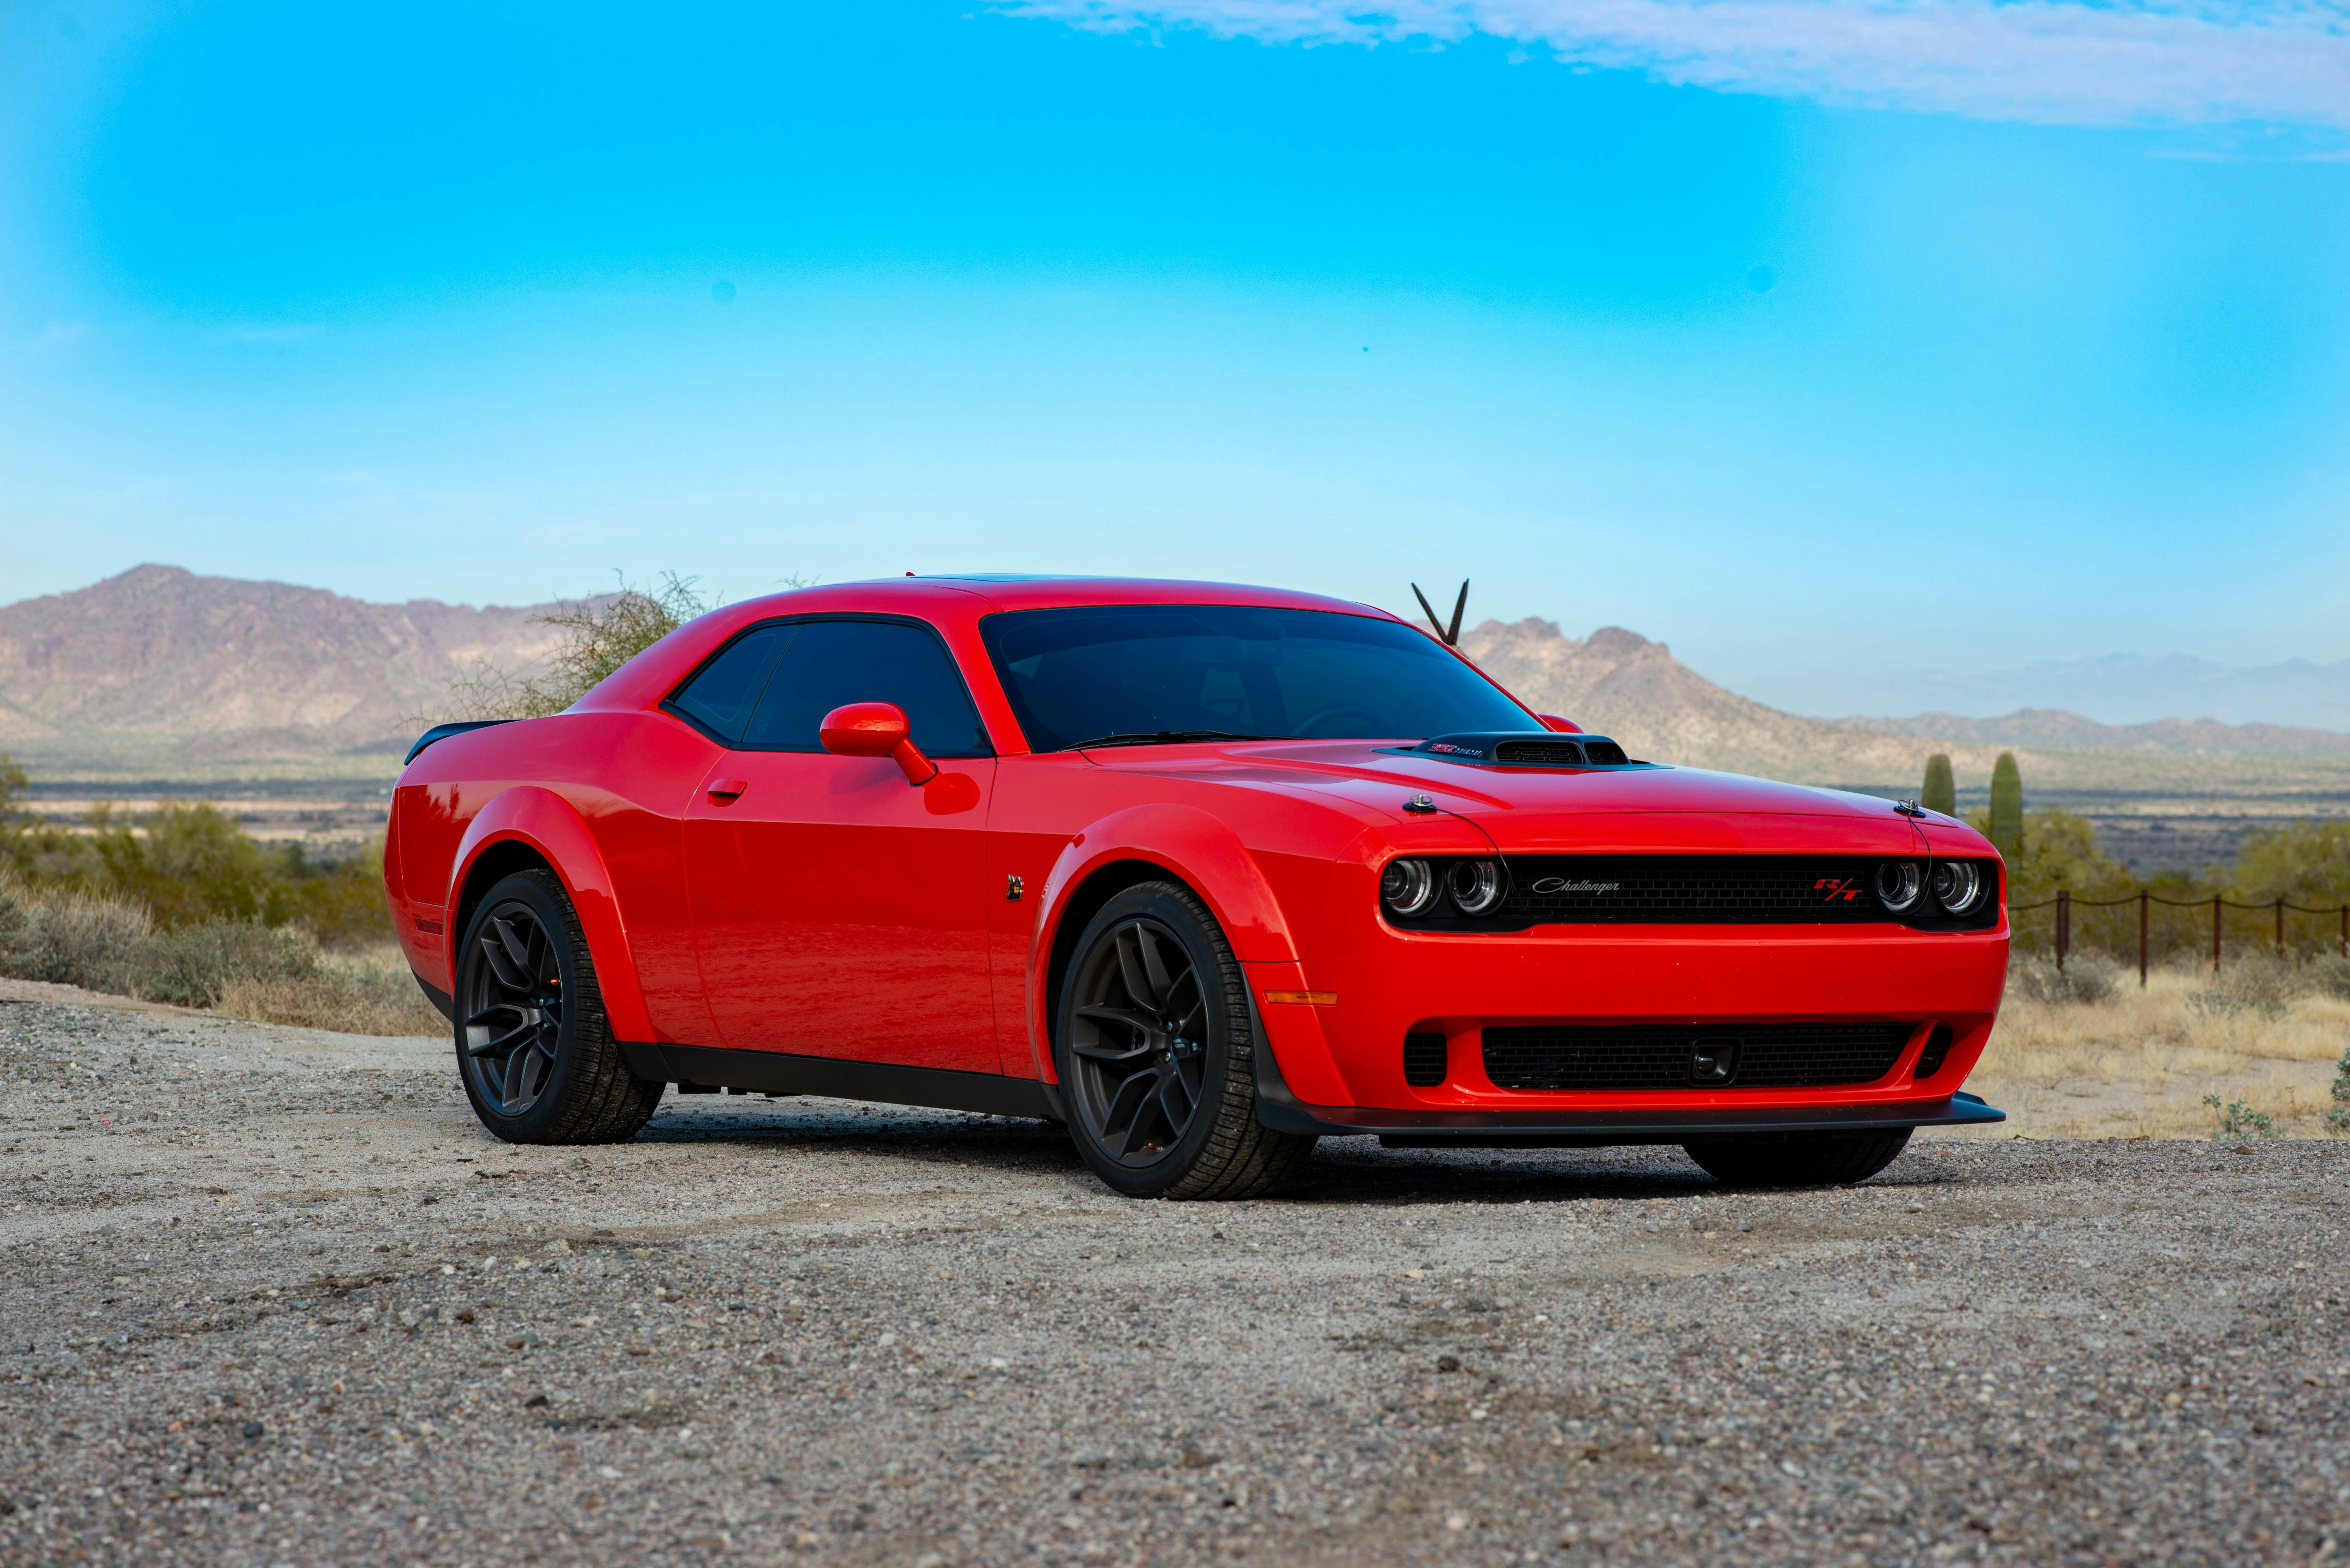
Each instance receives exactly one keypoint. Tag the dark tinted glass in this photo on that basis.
(722, 695)
(1075, 675)
(832, 663)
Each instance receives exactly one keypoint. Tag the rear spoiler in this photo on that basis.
(443, 731)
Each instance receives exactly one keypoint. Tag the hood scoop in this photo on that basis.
(1516, 749)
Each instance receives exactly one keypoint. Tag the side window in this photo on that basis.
(832, 663)
(722, 695)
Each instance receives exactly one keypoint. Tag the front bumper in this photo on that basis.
(1279, 1108)
(1593, 1129)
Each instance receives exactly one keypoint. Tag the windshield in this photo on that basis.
(1141, 671)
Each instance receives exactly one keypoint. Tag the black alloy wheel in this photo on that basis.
(514, 1016)
(1138, 1037)
(534, 1048)
(1156, 1052)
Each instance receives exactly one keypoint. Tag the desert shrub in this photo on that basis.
(189, 864)
(245, 968)
(2214, 1003)
(2303, 863)
(2084, 979)
(72, 937)
(341, 901)
(193, 966)
(349, 994)
(2238, 1119)
(600, 636)
(2338, 1118)
(2264, 984)
(2328, 974)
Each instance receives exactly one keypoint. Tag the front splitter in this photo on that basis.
(1589, 1129)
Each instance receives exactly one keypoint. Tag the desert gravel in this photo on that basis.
(269, 1296)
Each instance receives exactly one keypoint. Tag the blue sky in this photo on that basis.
(1796, 332)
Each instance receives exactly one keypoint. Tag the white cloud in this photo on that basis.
(2129, 62)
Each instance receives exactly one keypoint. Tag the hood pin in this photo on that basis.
(1420, 805)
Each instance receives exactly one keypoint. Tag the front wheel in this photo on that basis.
(1157, 1055)
(1799, 1159)
(534, 1048)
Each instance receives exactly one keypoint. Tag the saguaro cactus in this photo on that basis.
(2007, 808)
(1941, 791)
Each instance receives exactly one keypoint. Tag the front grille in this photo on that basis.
(1566, 1057)
(1423, 1060)
(1690, 889)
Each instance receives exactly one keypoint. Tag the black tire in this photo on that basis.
(534, 1048)
(1134, 1044)
(1799, 1159)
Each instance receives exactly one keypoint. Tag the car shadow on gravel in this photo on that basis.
(931, 1136)
(1349, 1171)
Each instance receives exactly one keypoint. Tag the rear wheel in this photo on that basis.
(534, 1048)
(1799, 1159)
(1157, 1055)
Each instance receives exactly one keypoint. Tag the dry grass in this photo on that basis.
(2139, 1063)
(351, 993)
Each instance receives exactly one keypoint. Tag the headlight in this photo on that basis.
(1408, 887)
(1958, 884)
(1476, 886)
(1898, 883)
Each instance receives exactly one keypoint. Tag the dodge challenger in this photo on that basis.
(1205, 873)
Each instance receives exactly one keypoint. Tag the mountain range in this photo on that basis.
(2053, 727)
(2122, 689)
(160, 668)
(211, 668)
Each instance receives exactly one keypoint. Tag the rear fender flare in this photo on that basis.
(1197, 850)
(550, 825)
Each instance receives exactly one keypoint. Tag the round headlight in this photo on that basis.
(1898, 883)
(1408, 887)
(1958, 884)
(1476, 886)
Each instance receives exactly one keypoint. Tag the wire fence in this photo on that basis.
(2106, 922)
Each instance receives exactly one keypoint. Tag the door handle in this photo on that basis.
(724, 791)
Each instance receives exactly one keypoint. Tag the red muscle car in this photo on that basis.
(1204, 872)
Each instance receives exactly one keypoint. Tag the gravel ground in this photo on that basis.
(269, 1296)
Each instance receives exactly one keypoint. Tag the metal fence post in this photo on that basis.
(2346, 930)
(2215, 933)
(2063, 926)
(2141, 936)
(2280, 915)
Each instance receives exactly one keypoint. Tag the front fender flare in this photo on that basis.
(550, 825)
(1200, 851)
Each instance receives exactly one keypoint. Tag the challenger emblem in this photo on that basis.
(1560, 885)
(1839, 889)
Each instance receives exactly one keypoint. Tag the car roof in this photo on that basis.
(1043, 590)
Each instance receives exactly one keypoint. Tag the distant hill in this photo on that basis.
(2121, 690)
(162, 674)
(1618, 683)
(209, 668)
(2053, 727)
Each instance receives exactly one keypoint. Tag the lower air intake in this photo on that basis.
(1937, 1052)
(1423, 1060)
(1555, 1058)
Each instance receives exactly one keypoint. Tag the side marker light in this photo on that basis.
(1309, 997)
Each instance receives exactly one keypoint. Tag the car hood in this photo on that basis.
(1536, 809)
